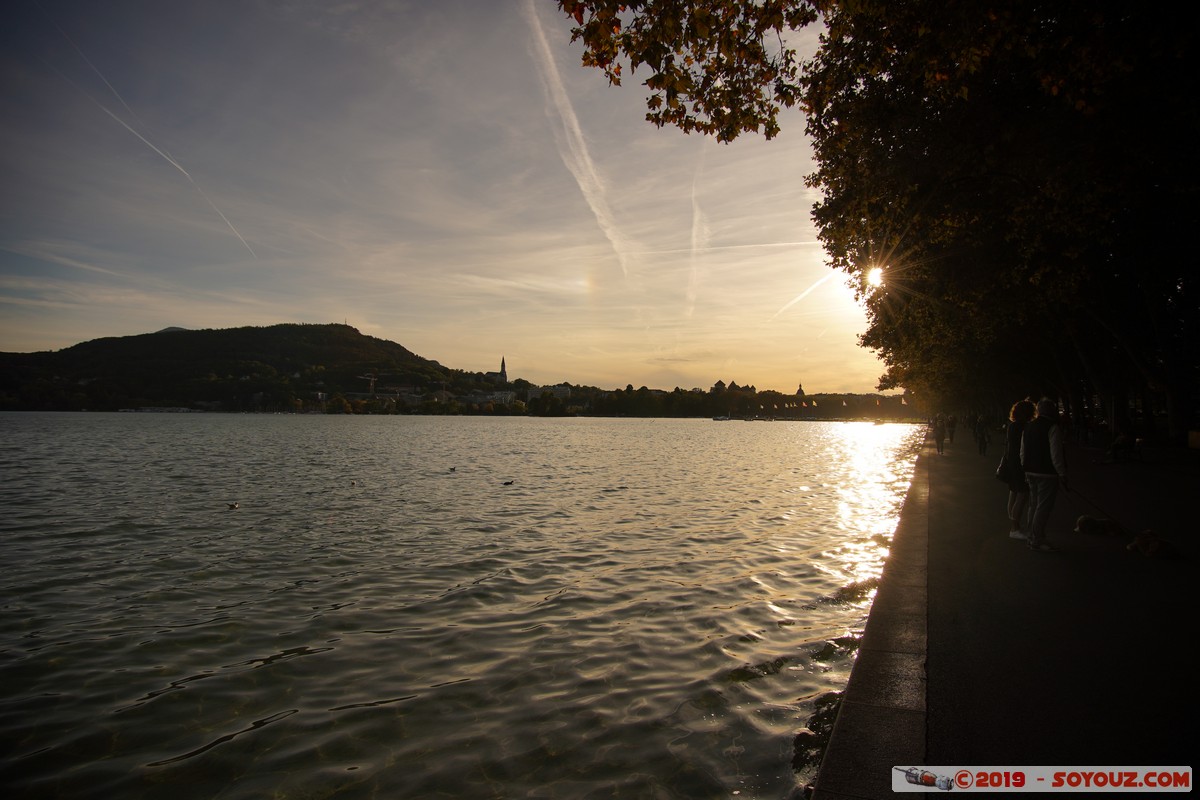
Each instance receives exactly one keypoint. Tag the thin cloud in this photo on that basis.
(399, 168)
(144, 140)
(575, 154)
(45, 252)
(88, 61)
(700, 239)
(714, 248)
(179, 167)
(801, 296)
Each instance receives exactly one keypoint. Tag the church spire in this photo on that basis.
(503, 371)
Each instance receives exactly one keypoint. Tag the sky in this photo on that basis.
(444, 175)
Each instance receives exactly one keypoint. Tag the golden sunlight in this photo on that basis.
(870, 506)
(875, 277)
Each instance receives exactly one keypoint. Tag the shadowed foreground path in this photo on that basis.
(980, 652)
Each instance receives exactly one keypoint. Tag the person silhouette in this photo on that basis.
(1045, 466)
(939, 433)
(1018, 489)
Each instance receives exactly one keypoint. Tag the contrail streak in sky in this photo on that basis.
(145, 141)
(802, 295)
(707, 248)
(700, 238)
(576, 157)
(148, 143)
(88, 61)
(179, 167)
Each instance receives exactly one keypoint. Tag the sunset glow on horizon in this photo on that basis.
(445, 176)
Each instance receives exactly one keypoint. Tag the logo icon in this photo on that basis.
(923, 777)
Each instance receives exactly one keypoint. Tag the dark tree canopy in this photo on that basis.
(716, 66)
(1024, 173)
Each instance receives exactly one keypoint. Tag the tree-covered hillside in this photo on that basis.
(274, 368)
(335, 369)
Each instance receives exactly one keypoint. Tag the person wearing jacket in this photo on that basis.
(1045, 466)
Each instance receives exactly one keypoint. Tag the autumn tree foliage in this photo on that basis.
(717, 67)
(1023, 172)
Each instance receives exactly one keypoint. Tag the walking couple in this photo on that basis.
(1036, 466)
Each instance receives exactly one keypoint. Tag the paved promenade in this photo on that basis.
(981, 652)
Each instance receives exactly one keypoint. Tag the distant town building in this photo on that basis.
(501, 376)
(503, 398)
(562, 391)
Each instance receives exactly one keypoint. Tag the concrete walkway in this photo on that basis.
(981, 652)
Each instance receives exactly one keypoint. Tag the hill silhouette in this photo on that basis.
(334, 368)
(248, 368)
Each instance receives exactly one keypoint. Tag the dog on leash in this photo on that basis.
(1151, 545)
(1097, 527)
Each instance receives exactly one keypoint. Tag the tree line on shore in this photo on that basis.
(294, 368)
(1012, 185)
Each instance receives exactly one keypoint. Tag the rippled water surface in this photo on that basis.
(411, 607)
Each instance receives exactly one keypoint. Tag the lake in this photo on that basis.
(418, 607)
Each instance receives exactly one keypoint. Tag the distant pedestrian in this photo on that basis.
(1045, 466)
(951, 426)
(1018, 490)
(939, 433)
(983, 433)
(1122, 448)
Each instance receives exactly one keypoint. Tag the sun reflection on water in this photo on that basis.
(696, 601)
(871, 495)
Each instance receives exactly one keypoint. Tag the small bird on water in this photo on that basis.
(508, 483)
(233, 505)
